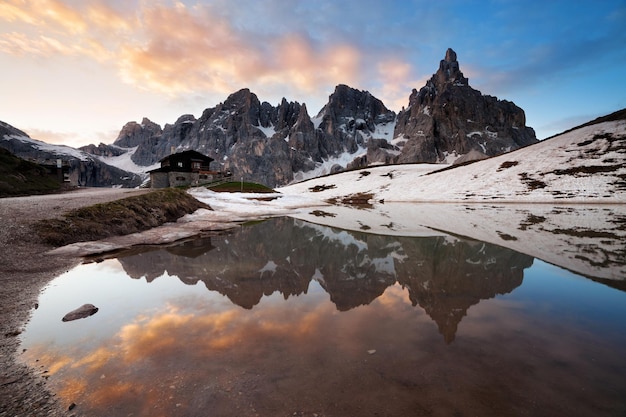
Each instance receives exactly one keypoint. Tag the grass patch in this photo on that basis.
(533, 184)
(531, 220)
(360, 200)
(320, 188)
(505, 236)
(321, 213)
(116, 218)
(585, 233)
(507, 164)
(238, 187)
(587, 169)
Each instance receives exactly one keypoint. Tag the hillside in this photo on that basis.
(581, 166)
(84, 169)
(20, 177)
(585, 165)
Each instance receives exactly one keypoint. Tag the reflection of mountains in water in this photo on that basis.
(445, 276)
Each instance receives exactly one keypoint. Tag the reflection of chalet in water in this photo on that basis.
(183, 168)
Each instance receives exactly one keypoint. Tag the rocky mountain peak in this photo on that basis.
(134, 134)
(303, 116)
(348, 102)
(447, 119)
(449, 71)
(287, 114)
(244, 103)
(349, 119)
(450, 55)
(7, 129)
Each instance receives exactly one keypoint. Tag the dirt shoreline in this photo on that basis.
(25, 269)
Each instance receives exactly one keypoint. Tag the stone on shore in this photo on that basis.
(81, 312)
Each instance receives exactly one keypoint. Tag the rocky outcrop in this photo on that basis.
(349, 119)
(448, 117)
(259, 142)
(135, 134)
(8, 130)
(103, 150)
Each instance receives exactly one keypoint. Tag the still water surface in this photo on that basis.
(286, 318)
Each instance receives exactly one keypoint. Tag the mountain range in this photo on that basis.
(446, 121)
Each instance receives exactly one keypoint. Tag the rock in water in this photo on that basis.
(81, 312)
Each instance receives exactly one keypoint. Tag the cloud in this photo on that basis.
(191, 49)
(397, 80)
(186, 50)
(11, 11)
(73, 139)
(176, 49)
(44, 12)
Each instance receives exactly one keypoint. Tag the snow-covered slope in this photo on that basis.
(125, 162)
(586, 165)
(58, 150)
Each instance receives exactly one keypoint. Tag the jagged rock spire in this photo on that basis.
(449, 70)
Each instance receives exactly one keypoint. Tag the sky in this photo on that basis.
(75, 71)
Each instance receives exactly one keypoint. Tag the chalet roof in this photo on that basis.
(191, 154)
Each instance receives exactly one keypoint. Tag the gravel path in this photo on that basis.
(24, 270)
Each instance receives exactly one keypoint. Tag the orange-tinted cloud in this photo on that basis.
(44, 12)
(397, 80)
(15, 10)
(176, 49)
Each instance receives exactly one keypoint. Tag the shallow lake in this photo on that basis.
(289, 318)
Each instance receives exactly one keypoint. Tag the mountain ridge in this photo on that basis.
(447, 121)
(277, 145)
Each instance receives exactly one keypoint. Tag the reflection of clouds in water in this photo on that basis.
(286, 354)
(394, 297)
(157, 347)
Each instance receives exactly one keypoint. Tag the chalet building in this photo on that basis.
(58, 169)
(182, 169)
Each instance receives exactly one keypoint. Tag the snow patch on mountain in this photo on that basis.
(60, 150)
(325, 168)
(125, 162)
(384, 131)
(267, 131)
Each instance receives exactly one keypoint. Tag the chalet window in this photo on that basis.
(180, 178)
(204, 177)
(180, 164)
